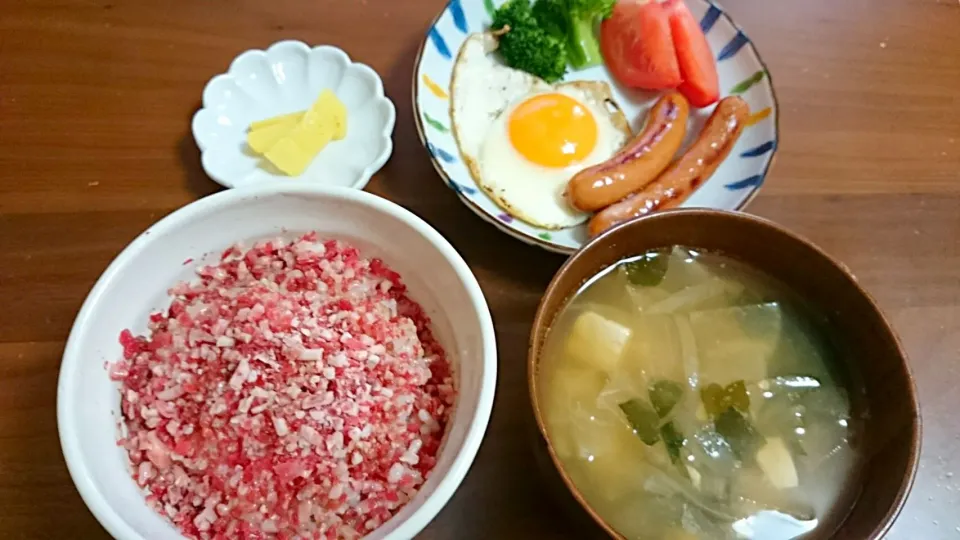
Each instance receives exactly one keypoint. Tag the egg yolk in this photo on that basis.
(552, 130)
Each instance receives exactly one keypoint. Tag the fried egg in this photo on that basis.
(523, 139)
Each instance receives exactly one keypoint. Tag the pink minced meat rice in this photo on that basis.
(293, 391)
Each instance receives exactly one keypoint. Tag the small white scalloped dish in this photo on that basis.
(285, 78)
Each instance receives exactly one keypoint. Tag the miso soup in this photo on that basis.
(689, 396)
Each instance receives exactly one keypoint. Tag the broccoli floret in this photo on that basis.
(530, 49)
(553, 16)
(584, 34)
(595, 8)
(526, 45)
(577, 21)
(513, 13)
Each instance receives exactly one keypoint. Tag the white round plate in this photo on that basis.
(285, 78)
(739, 66)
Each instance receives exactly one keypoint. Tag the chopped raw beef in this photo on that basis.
(292, 391)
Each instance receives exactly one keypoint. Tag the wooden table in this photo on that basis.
(95, 103)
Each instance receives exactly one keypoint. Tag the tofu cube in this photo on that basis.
(597, 341)
(775, 461)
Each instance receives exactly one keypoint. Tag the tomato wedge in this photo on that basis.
(636, 44)
(700, 86)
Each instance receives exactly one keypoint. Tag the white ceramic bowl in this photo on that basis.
(135, 285)
(285, 78)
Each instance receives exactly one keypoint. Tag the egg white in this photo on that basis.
(480, 89)
(483, 93)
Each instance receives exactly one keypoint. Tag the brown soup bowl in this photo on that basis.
(888, 444)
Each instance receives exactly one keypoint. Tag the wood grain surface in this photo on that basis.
(95, 103)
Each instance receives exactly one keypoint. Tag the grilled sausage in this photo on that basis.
(694, 167)
(636, 164)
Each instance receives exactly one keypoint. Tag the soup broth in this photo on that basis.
(688, 396)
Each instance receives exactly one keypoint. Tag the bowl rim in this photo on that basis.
(541, 327)
(71, 360)
(534, 240)
(386, 131)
